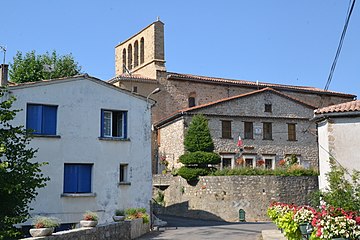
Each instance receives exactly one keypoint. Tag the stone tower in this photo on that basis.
(143, 53)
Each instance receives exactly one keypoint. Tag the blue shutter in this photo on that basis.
(84, 178)
(49, 120)
(70, 178)
(33, 118)
(125, 124)
(102, 123)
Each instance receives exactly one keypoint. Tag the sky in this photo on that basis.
(275, 41)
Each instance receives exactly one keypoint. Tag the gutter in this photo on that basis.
(323, 116)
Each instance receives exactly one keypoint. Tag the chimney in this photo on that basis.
(4, 74)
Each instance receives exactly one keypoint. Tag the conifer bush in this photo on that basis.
(199, 156)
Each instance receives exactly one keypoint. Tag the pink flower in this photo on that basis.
(318, 232)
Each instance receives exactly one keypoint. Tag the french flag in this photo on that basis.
(240, 142)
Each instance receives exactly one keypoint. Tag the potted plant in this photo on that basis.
(133, 213)
(119, 215)
(90, 219)
(303, 217)
(44, 226)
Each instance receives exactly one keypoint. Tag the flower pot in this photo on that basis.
(118, 218)
(39, 232)
(305, 228)
(86, 223)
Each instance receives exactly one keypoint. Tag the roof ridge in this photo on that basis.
(253, 84)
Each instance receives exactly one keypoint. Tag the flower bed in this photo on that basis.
(326, 222)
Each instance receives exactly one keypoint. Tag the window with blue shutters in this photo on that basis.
(113, 124)
(77, 178)
(41, 119)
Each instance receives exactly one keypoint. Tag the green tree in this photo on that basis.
(342, 192)
(32, 67)
(199, 148)
(19, 177)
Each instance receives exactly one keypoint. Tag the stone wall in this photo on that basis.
(221, 198)
(118, 230)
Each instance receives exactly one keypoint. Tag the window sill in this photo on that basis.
(75, 195)
(227, 138)
(124, 183)
(45, 136)
(292, 140)
(268, 139)
(114, 139)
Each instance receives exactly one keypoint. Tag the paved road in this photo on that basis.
(184, 228)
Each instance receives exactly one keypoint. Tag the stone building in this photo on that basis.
(140, 68)
(272, 125)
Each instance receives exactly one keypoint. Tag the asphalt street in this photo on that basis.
(185, 228)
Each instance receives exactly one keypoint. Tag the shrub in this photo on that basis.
(90, 216)
(133, 213)
(191, 174)
(46, 222)
(200, 158)
(261, 171)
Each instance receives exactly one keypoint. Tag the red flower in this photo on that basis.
(357, 219)
(282, 162)
(318, 232)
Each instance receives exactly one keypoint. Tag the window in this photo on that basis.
(249, 161)
(226, 129)
(41, 119)
(130, 57)
(248, 128)
(135, 89)
(113, 124)
(267, 134)
(136, 53)
(142, 51)
(269, 162)
(123, 177)
(226, 162)
(191, 101)
(268, 108)
(291, 131)
(124, 60)
(77, 178)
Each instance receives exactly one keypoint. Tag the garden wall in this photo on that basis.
(221, 197)
(125, 230)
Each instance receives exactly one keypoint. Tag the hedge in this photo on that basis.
(200, 158)
(191, 174)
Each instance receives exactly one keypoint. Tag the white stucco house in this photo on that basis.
(96, 139)
(338, 137)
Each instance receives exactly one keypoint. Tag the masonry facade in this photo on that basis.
(90, 133)
(180, 91)
(273, 126)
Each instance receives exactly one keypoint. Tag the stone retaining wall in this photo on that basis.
(125, 230)
(221, 197)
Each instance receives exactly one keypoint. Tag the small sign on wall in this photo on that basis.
(258, 130)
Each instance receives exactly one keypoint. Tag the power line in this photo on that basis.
(339, 46)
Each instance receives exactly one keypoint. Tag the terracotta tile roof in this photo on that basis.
(185, 110)
(352, 106)
(132, 77)
(190, 77)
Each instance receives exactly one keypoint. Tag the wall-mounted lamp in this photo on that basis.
(155, 91)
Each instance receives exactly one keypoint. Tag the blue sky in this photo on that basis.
(277, 41)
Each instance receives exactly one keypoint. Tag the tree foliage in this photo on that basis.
(342, 192)
(200, 158)
(32, 67)
(199, 146)
(198, 136)
(19, 178)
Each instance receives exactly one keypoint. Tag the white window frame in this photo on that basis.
(232, 156)
(253, 157)
(272, 161)
(111, 119)
(125, 166)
